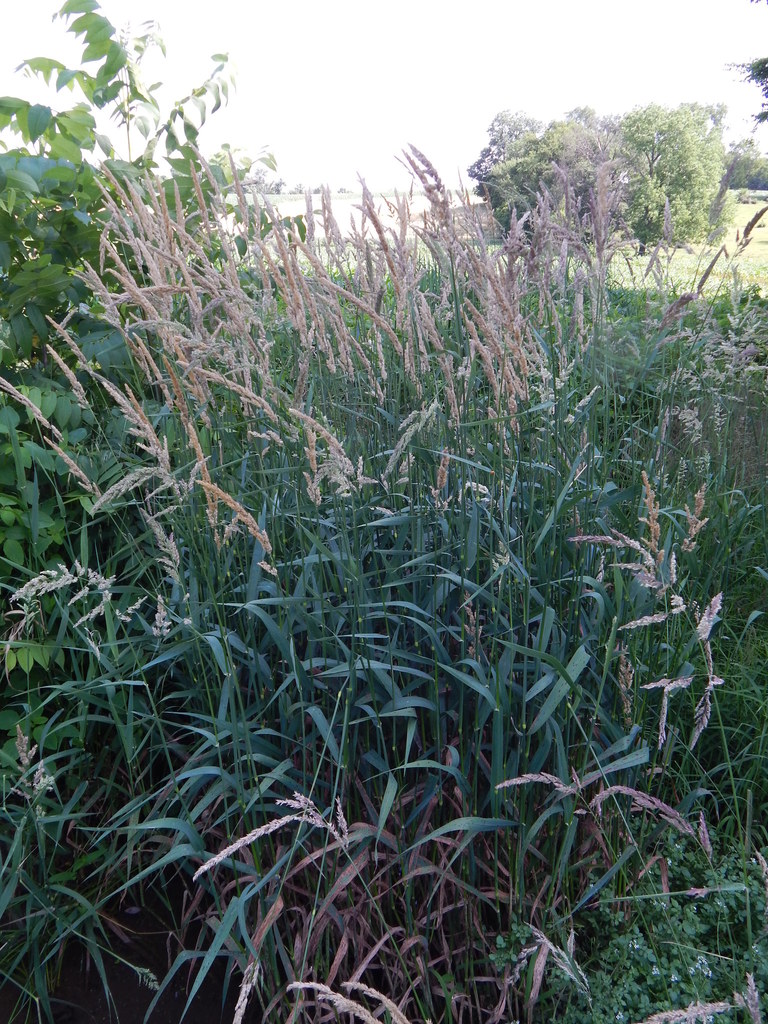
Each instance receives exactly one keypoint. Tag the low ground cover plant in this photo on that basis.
(688, 932)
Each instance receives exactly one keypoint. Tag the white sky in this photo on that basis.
(338, 87)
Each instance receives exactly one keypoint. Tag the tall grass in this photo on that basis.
(415, 602)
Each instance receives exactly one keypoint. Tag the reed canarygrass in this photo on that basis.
(402, 553)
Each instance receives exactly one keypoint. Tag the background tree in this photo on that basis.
(569, 150)
(656, 155)
(507, 134)
(757, 73)
(749, 166)
(675, 155)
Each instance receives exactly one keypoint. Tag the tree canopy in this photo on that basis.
(673, 156)
(748, 167)
(507, 134)
(656, 156)
(571, 149)
(757, 73)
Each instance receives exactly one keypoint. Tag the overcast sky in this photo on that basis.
(338, 87)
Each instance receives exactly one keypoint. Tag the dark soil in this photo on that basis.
(79, 996)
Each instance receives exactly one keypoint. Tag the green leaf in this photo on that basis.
(62, 411)
(95, 51)
(578, 663)
(568, 678)
(218, 651)
(470, 825)
(558, 692)
(117, 59)
(22, 332)
(80, 114)
(565, 492)
(471, 538)
(604, 879)
(104, 144)
(20, 180)
(37, 320)
(48, 403)
(223, 932)
(14, 552)
(11, 105)
(38, 119)
(9, 419)
(45, 67)
(65, 149)
(324, 726)
(65, 77)
(93, 26)
(25, 659)
(473, 683)
(540, 685)
(41, 655)
(300, 224)
(386, 804)
(79, 7)
(632, 760)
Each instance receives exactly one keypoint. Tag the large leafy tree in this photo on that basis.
(569, 150)
(757, 73)
(748, 166)
(508, 136)
(657, 156)
(673, 156)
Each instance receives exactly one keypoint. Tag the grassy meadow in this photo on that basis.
(394, 625)
(749, 264)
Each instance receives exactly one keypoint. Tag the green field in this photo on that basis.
(751, 259)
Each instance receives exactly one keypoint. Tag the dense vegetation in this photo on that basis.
(665, 167)
(389, 607)
(669, 169)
